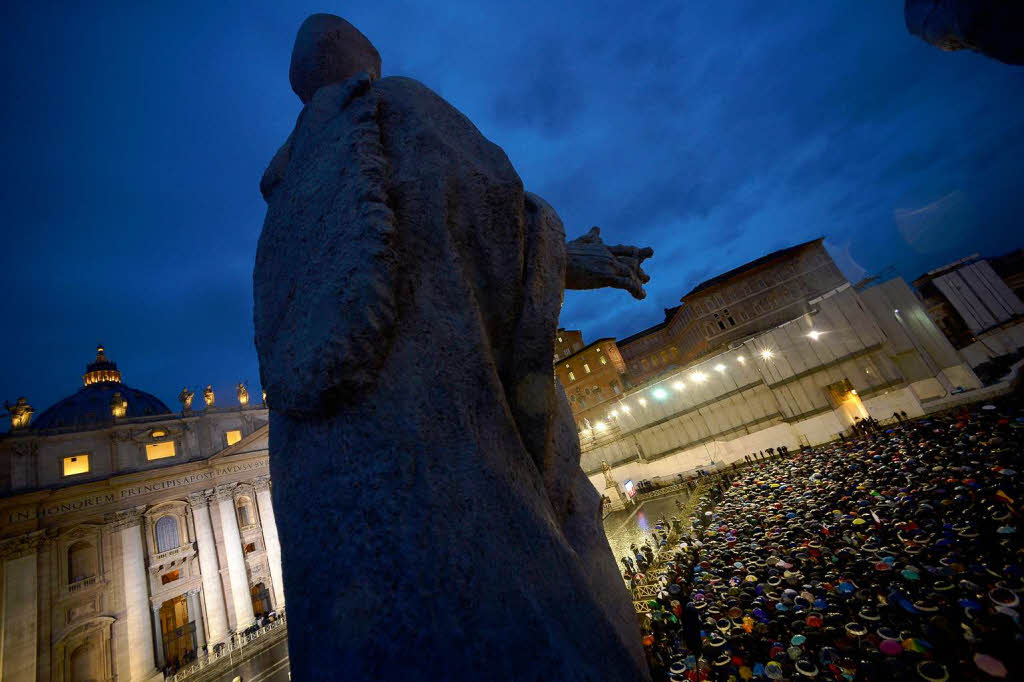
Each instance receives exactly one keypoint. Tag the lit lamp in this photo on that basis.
(118, 406)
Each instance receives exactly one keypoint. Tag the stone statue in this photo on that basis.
(606, 469)
(208, 396)
(118, 405)
(20, 411)
(185, 398)
(243, 393)
(992, 27)
(407, 292)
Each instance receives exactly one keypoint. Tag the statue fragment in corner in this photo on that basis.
(185, 398)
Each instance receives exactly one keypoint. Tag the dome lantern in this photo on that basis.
(101, 369)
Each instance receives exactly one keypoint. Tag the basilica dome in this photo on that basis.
(98, 402)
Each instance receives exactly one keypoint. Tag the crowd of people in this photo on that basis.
(891, 555)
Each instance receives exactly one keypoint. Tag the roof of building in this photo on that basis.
(763, 260)
(669, 314)
(90, 406)
(587, 347)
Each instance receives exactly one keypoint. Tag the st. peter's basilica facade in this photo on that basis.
(132, 537)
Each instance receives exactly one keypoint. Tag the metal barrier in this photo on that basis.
(236, 645)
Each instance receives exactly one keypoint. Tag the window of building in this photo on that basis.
(559, 339)
(167, 534)
(169, 577)
(245, 515)
(599, 349)
(586, 368)
(76, 464)
(572, 377)
(160, 450)
(604, 360)
(721, 325)
(81, 562)
(251, 547)
(233, 436)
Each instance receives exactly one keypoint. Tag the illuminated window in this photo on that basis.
(604, 361)
(251, 547)
(157, 433)
(233, 436)
(572, 377)
(586, 368)
(160, 450)
(76, 464)
(170, 577)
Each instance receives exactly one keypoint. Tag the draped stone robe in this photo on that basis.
(434, 519)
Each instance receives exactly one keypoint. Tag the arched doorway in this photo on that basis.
(179, 633)
(82, 664)
(260, 600)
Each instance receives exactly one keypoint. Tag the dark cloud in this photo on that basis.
(714, 132)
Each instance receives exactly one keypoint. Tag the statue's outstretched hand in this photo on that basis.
(592, 264)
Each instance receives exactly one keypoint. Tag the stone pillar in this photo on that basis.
(216, 614)
(266, 512)
(20, 611)
(158, 637)
(127, 525)
(197, 615)
(242, 600)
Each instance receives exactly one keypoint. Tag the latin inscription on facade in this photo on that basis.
(114, 496)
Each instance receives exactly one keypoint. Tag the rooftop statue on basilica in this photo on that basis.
(407, 291)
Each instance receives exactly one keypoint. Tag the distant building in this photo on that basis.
(727, 308)
(974, 306)
(132, 537)
(567, 342)
(590, 376)
(843, 355)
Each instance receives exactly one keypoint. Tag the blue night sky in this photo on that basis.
(135, 135)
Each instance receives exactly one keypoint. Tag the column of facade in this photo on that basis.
(270, 541)
(158, 637)
(127, 525)
(20, 612)
(197, 615)
(240, 596)
(216, 613)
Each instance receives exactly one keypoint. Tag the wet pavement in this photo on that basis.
(270, 665)
(633, 526)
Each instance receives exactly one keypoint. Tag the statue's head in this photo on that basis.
(329, 50)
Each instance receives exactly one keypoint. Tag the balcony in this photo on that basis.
(81, 584)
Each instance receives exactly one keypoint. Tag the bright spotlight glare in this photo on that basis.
(625, 408)
(719, 368)
(614, 413)
(643, 403)
(699, 377)
(741, 359)
(814, 334)
(601, 426)
(659, 393)
(766, 354)
(679, 385)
